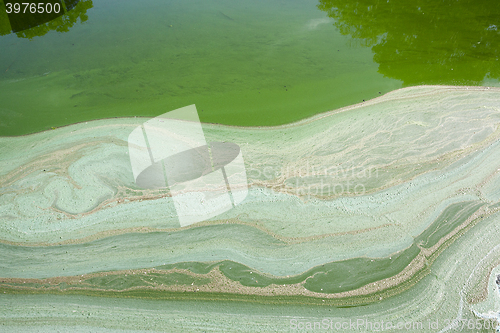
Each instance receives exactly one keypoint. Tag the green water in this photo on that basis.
(242, 63)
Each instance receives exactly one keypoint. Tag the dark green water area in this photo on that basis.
(245, 63)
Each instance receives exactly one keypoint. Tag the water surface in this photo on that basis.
(246, 63)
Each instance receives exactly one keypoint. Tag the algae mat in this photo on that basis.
(382, 211)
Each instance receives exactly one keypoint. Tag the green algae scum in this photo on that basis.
(371, 146)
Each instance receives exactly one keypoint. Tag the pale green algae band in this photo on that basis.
(437, 298)
(419, 168)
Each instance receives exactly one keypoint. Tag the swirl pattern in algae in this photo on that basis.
(391, 204)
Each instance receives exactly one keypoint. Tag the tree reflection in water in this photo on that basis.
(425, 41)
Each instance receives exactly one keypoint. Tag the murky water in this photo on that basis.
(242, 63)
